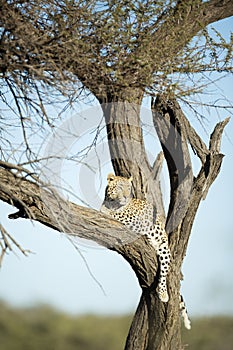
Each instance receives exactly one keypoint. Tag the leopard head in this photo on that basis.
(119, 189)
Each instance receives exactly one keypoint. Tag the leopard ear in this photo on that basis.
(110, 177)
(130, 179)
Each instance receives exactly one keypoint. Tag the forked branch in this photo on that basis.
(175, 132)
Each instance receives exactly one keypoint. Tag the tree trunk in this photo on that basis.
(127, 150)
(156, 325)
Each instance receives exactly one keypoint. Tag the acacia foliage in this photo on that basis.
(54, 53)
(106, 46)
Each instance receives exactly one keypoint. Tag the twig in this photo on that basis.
(6, 241)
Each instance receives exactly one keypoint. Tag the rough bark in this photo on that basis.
(128, 154)
(155, 325)
(35, 202)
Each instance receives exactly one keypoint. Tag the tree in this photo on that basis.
(118, 51)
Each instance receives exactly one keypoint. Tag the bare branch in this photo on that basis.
(197, 144)
(175, 132)
(216, 136)
(51, 210)
(212, 168)
(7, 242)
(173, 138)
(157, 166)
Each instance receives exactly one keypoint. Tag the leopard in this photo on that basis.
(141, 217)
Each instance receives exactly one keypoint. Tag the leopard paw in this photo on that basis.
(163, 295)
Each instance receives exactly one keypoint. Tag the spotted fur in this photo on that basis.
(138, 215)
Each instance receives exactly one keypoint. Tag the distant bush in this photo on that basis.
(212, 333)
(43, 328)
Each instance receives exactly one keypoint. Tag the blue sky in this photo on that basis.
(56, 273)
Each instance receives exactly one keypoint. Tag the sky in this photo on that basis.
(69, 279)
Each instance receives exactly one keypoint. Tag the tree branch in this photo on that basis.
(216, 136)
(47, 207)
(173, 138)
(212, 168)
(169, 36)
(175, 132)
(7, 243)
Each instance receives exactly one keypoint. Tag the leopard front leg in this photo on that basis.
(160, 244)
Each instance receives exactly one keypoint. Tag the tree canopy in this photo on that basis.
(110, 46)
